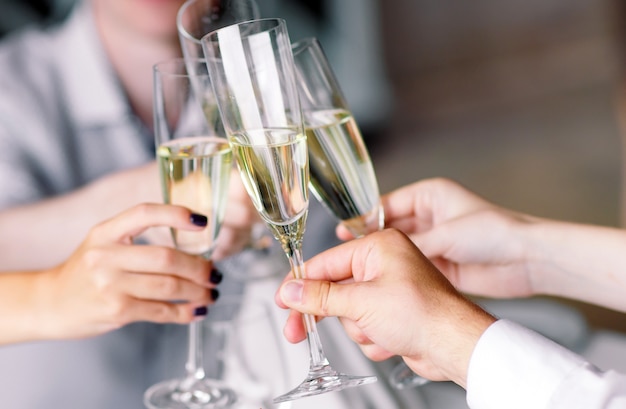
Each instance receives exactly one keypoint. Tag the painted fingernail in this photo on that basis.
(216, 276)
(200, 311)
(292, 291)
(215, 294)
(198, 219)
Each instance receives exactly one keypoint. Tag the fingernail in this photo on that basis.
(292, 291)
(215, 294)
(216, 276)
(198, 219)
(200, 311)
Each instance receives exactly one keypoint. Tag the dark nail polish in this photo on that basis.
(216, 277)
(214, 294)
(200, 311)
(198, 219)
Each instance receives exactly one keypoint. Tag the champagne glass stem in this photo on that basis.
(195, 361)
(318, 358)
(321, 377)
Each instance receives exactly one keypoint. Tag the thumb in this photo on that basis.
(320, 298)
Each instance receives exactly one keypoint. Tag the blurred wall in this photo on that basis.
(449, 58)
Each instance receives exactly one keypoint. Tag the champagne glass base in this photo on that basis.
(200, 394)
(402, 377)
(324, 380)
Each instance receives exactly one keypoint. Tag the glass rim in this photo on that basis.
(182, 30)
(172, 67)
(300, 45)
(179, 21)
(279, 23)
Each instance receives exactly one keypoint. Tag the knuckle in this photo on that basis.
(117, 310)
(93, 257)
(168, 286)
(166, 256)
(161, 313)
(143, 209)
(170, 313)
(360, 338)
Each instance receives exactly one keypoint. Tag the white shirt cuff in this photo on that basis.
(513, 367)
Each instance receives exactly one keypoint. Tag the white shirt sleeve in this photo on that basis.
(513, 367)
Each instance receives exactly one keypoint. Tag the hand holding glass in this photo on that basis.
(342, 174)
(252, 68)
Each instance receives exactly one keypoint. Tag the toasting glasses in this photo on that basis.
(195, 19)
(195, 165)
(251, 65)
(342, 175)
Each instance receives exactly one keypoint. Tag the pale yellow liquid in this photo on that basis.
(195, 173)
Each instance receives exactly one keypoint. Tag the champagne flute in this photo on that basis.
(194, 166)
(251, 65)
(342, 174)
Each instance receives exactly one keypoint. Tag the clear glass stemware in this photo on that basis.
(342, 175)
(253, 74)
(194, 166)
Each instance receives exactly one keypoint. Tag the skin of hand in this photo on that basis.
(476, 244)
(108, 282)
(392, 301)
(152, 26)
(239, 220)
(89, 205)
(101, 200)
(486, 250)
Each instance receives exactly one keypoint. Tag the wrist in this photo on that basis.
(531, 235)
(20, 307)
(462, 331)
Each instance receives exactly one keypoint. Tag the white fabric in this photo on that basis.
(513, 367)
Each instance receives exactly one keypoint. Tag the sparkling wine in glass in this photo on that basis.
(194, 165)
(251, 65)
(342, 174)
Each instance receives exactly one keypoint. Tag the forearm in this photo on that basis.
(45, 233)
(582, 262)
(20, 310)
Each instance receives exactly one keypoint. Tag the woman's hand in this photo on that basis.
(108, 282)
(479, 246)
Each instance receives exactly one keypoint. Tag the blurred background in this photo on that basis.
(518, 100)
